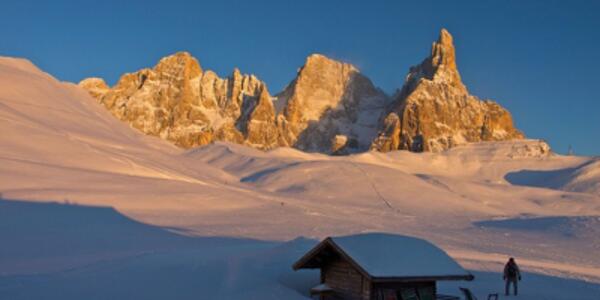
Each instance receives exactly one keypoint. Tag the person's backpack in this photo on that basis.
(512, 270)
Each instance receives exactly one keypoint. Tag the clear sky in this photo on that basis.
(540, 59)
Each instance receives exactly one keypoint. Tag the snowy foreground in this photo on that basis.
(92, 209)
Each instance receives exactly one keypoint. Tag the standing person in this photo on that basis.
(512, 274)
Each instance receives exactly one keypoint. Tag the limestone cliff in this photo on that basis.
(434, 110)
(330, 107)
(329, 102)
(179, 102)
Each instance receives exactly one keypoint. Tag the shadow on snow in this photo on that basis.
(66, 251)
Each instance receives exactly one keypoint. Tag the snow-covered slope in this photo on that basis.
(59, 144)
(584, 177)
(479, 202)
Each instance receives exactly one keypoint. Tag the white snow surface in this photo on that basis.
(92, 209)
(391, 255)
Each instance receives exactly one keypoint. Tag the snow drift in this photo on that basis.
(59, 145)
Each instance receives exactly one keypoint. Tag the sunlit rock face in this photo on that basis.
(330, 107)
(179, 102)
(259, 123)
(95, 86)
(434, 110)
(329, 98)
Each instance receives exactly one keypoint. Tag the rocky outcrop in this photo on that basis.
(95, 86)
(434, 110)
(179, 102)
(330, 107)
(329, 102)
(259, 123)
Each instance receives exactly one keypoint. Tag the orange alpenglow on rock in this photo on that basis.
(329, 98)
(434, 110)
(330, 107)
(179, 102)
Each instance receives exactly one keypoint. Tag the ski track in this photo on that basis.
(228, 210)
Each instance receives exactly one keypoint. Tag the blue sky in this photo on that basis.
(537, 58)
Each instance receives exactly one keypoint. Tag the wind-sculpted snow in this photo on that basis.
(59, 145)
(583, 226)
(56, 256)
(74, 252)
(582, 178)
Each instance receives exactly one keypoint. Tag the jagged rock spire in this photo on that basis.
(178, 101)
(434, 110)
(442, 52)
(179, 63)
(325, 100)
(329, 107)
(442, 62)
(439, 66)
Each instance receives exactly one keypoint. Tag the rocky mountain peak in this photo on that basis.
(439, 66)
(330, 107)
(181, 63)
(318, 61)
(434, 110)
(442, 61)
(178, 101)
(319, 85)
(325, 100)
(442, 51)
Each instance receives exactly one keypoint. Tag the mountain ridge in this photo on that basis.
(329, 107)
(61, 145)
(434, 110)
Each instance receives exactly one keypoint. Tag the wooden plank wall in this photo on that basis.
(367, 287)
(345, 280)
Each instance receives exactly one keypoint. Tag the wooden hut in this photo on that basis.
(379, 266)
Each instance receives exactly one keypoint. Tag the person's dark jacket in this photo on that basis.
(511, 271)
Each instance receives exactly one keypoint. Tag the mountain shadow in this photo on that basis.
(68, 252)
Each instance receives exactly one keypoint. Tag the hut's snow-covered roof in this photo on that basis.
(382, 255)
